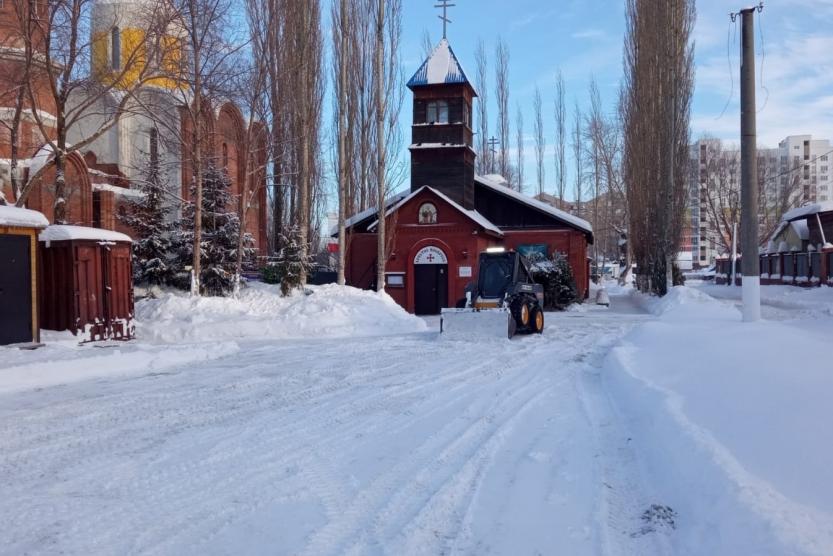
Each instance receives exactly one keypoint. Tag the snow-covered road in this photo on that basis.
(399, 445)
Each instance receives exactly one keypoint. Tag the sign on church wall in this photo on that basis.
(430, 255)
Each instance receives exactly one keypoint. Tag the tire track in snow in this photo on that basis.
(91, 465)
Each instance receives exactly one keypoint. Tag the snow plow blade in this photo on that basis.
(466, 324)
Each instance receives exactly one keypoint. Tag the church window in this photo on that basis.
(427, 214)
(115, 48)
(437, 112)
(225, 155)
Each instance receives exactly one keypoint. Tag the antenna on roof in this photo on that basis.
(444, 5)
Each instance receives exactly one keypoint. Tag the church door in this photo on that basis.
(430, 281)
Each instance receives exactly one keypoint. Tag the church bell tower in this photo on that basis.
(442, 155)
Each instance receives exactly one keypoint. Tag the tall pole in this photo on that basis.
(749, 172)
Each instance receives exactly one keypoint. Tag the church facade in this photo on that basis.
(437, 229)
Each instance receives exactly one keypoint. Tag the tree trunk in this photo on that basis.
(342, 144)
(381, 255)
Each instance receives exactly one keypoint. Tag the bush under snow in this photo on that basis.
(261, 312)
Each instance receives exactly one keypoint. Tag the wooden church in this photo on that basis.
(438, 228)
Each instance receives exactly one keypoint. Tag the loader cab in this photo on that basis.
(500, 271)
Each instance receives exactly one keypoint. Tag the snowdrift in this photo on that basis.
(732, 423)
(816, 301)
(261, 313)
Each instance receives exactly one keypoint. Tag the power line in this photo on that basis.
(763, 59)
(732, 26)
(806, 162)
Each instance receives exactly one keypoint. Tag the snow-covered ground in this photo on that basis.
(335, 423)
(732, 420)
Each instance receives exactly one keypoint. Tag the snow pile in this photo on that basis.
(682, 297)
(20, 217)
(732, 423)
(328, 312)
(810, 301)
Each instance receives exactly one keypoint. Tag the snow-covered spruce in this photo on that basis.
(220, 229)
(150, 217)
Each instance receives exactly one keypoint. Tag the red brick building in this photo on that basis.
(437, 229)
(99, 177)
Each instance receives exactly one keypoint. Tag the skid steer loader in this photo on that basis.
(505, 301)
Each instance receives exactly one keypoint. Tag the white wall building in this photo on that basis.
(800, 167)
(806, 163)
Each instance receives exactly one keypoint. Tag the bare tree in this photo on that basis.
(362, 134)
(58, 42)
(540, 140)
(502, 93)
(578, 155)
(560, 138)
(656, 109)
(519, 134)
(381, 163)
(20, 33)
(484, 162)
(427, 44)
(254, 87)
(594, 130)
(340, 59)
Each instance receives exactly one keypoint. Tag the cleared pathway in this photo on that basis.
(395, 445)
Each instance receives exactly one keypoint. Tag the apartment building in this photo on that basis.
(795, 173)
(805, 168)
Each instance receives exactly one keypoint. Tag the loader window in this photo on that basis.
(495, 276)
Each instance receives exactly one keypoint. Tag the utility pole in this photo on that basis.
(749, 170)
(493, 143)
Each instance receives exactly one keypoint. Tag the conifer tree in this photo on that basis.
(220, 227)
(149, 217)
(292, 262)
(556, 276)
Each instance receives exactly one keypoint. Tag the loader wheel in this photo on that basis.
(513, 327)
(537, 320)
(520, 312)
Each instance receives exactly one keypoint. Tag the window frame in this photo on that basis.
(425, 205)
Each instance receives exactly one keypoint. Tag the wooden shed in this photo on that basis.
(19, 276)
(87, 282)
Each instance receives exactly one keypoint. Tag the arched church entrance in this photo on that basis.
(430, 281)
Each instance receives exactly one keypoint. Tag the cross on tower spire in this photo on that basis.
(444, 5)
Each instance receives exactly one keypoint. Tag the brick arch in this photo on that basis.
(414, 249)
(208, 147)
(79, 191)
(231, 132)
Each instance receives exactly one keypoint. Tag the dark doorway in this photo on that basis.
(15, 290)
(430, 288)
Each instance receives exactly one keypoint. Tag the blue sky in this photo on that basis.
(584, 39)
